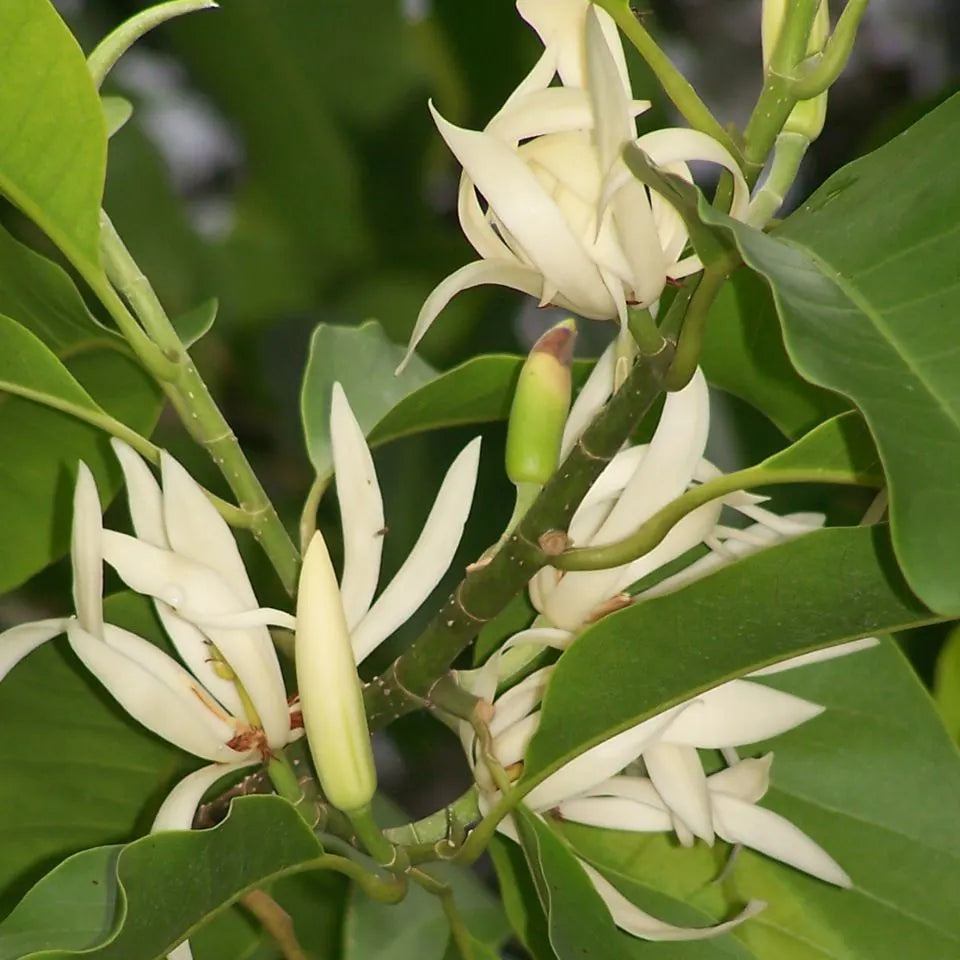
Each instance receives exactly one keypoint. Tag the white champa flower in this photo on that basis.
(361, 517)
(563, 220)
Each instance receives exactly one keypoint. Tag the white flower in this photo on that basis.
(563, 221)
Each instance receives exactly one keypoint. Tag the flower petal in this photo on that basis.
(144, 496)
(629, 917)
(816, 656)
(21, 640)
(739, 712)
(519, 700)
(430, 557)
(86, 551)
(746, 780)
(156, 691)
(530, 215)
(678, 775)
(616, 813)
(592, 396)
(511, 745)
(505, 273)
(361, 509)
(180, 807)
(196, 530)
(599, 763)
(773, 835)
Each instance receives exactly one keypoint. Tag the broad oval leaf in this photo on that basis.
(898, 835)
(53, 141)
(866, 284)
(812, 592)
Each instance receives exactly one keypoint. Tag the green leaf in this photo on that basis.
(946, 683)
(116, 112)
(843, 583)
(900, 845)
(162, 885)
(77, 771)
(841, 450)
(743, 354)
(53, 142)
(196, 323)
(579, 924)
(874, 313)
(45, 444)
(520, 898)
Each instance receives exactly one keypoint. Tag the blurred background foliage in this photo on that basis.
(281, 158)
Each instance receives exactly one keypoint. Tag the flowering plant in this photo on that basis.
(680, 692)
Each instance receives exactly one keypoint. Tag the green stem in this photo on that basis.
(276, 922)
(376, 844)
(788, 153)
(458, 929)
(486, 589)
(436, 827)
(287, 784)
(644, 329)
(777, 98)
(189, 396)
(690, 344)
(830, 64)
(675, 84)
(390, 889)
(653, 532)
(308, 515)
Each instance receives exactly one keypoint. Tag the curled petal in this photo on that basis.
(816, 656)
(519, 700)
(429, 559)
(476, 225)
(245, 619)
(156, 691)
(86, 552)
(739, 712)
(617, 813)
(506, 273)
(179, 808)
(18, 641)
(773, 835)
(629, 917)
(196, 530)
(746, 780)
(361, 509)
(144, 496)
(511, 745)
(599, 763)
(612, 125)
(677, 774)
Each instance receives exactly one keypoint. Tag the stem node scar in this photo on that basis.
(553, 542)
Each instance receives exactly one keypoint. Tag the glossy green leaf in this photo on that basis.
(743, 354)
(77, 771)
(53, 143)
(116, 112)
(897, 834)
(874, 313)
(158, 888)
(45, 444)
(946, 683)
(842, 583)
(579, 924)
(840, 450)
(363, 359)
(520, 899)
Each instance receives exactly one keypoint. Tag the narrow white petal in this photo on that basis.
(638, 789)
(612, 125)
(196, 530)
(528, 212)
(86, 551)
(144, 497)
(816, 656)
(678, 775)
(361, 509)
(746, 780)
(640, 241)
(615, 476)
(616, 813)
(18, 641)
(179, 808)
(511, 745)
(540, 76)
(629, 917)
(194, 649)
(592, 396)
(505, 273)
(519, 700)
(181, 951)
(599, 763)
(784, 526)
(430, 557)
(155, 690)
(773, 835)
(739, 712)
(245, 619)
(477, 227)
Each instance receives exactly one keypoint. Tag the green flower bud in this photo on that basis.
(331, 698)
(540, 407)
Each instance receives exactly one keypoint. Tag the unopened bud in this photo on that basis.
(331, 698)
(540, 407)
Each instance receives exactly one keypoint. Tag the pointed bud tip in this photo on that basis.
(558, 342)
